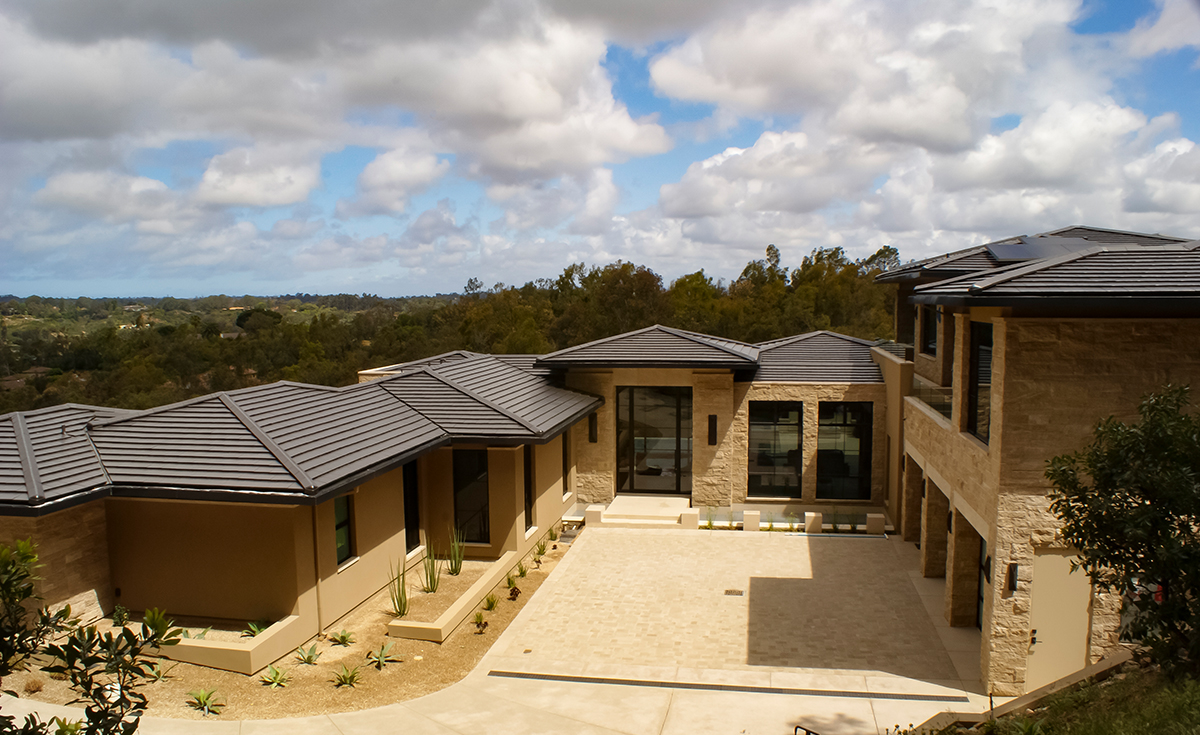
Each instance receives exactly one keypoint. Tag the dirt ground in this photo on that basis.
(422, 668)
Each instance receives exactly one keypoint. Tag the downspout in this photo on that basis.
(317, 569)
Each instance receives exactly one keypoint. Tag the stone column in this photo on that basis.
(933, 531)
(962, 573)
(910, 502)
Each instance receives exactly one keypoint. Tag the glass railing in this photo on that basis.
(935, 396)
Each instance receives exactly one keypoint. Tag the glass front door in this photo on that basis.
(654, 440)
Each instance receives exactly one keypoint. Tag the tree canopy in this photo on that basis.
(1130, 502)
(155, 351)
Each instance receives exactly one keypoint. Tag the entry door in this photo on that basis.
(654, 440)
(1059, 614)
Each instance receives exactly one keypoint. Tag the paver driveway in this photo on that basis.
(658, 598)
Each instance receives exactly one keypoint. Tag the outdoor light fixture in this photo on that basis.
(712, 430)
(1011, 582)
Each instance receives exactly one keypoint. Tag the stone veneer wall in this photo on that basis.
(713, 467)
(72, 547)
(811, 394)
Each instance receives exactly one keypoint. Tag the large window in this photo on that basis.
(654, 439)
(471, 495)
(343, 528)
(775, 449)
(929, 324)
(979, 381)
(528, 463)
(412, 507)
(844, 451)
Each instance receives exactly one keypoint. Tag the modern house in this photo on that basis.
(292, 503)
(1015, 349)
(305, 497)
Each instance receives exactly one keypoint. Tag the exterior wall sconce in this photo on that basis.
(712, 430)
(1010, 582)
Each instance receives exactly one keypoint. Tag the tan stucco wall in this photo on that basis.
(379, 544)
(812, 394)
(72, 547)
(506, 495)
(217, 560)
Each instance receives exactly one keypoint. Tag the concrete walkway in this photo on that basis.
(634, 633)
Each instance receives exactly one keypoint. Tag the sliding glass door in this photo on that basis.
(654, 440)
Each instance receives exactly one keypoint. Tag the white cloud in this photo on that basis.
(1177, 26)
(148, 204)
(261, 176)
(387, 182)
(587, 201)
(781, 172)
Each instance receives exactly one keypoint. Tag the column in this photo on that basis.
(933, 531)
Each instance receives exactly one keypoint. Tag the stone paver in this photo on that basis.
(651, 605)
(658, 598)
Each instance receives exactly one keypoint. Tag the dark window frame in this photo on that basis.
(792, 463)
(979, 412)
(930, 317)
(566, 462)
(412, 507)
(346, 523)
(627, 404)
(527, 462)
(829, 466)
(462, 484)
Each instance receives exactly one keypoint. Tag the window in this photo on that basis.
(929, 325)
(979, 381)
(471, 495)
(343, 528)
(776, 456)
(566, 461)
(412, 507)
(528, 486)
(844, 451)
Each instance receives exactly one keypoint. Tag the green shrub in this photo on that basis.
(522, 570)
(398, 591)
(347, 677)
(510, 581)
(156, 673)
(205, 700)
(541, 547)
(454, 560)
(275, 678)
(490, 602)
(120, 615)
(308, 656)
(480, 624)
(382, 657)
(553, 533)
(432, 573)
(256, 627)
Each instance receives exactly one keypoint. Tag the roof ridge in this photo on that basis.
(494, 406)
(602, 340)
(1159, 235)
(259, 433)
(33, 478)
(702, 339)
(379, 384)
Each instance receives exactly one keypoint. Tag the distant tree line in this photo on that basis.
(95, 351)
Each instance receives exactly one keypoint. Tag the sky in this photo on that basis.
(183, 148)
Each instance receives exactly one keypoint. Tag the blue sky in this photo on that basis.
(399, 151)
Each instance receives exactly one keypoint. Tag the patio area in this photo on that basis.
(751, 608)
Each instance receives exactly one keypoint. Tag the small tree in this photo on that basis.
(1130, 502)
(104, 670)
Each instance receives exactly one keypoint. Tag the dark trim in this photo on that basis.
(635, 363)
(1091, 305)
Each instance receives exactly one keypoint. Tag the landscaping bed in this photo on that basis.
(423, 667)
